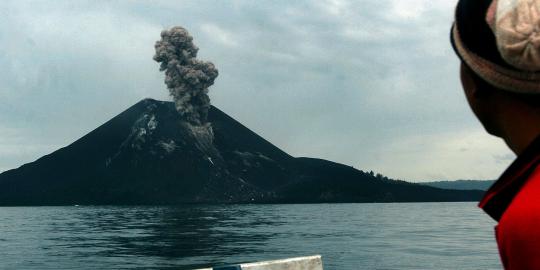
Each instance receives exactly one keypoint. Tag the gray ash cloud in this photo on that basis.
(186, 77)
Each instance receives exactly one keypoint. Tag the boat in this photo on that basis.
(299, 263)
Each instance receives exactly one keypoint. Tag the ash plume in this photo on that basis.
(186, 77)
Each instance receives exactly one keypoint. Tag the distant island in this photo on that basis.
(462, 184)
(149, 154)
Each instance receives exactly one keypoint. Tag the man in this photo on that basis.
(498, 43)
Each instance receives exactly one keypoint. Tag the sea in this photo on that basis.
(348, 236)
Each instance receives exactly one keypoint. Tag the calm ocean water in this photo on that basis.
(348, 236)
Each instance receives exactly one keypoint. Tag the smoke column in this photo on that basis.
(186, 77)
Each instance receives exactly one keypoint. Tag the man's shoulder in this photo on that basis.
(518, 232)
(531, 187)
(524, 210)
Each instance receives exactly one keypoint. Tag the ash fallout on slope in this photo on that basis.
(186, 77)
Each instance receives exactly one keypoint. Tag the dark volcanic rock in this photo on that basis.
(149, 155)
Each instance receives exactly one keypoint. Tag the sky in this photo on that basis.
(372, 84)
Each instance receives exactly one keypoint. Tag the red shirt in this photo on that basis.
(514, 201)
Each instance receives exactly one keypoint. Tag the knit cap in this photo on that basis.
(500, 41)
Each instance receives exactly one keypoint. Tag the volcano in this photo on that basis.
(148, 155)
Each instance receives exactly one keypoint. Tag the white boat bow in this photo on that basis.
(300, 263)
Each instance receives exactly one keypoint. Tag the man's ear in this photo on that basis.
(469, 84)
(472, 84)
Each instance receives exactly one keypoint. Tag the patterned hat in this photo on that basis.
(500, 41)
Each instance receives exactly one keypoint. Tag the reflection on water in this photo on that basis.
(172, 232)
(349, 236)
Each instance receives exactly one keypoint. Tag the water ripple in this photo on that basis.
(349, 236)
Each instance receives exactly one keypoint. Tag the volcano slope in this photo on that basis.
(148, 154)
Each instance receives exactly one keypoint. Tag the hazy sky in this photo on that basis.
(372, 84)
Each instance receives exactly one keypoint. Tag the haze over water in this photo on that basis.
(348, 236)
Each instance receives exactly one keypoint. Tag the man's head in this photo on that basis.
(498, 43)
(490, 104)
